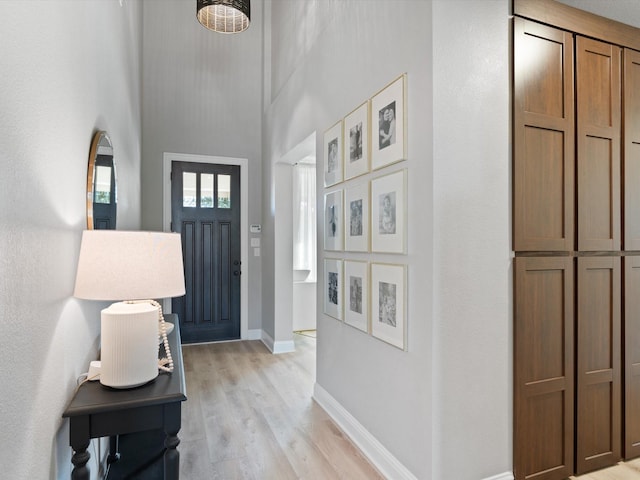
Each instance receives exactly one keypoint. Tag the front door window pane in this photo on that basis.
(189, 180)
(206, 190)
(102, 187)
(224, 191)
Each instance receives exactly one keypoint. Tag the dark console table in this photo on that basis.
(99, 411)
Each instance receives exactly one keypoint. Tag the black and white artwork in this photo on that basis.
(332, 162)
(389, 129)
(333, 155)
(355, 218)
(356, 213)
(388, 213)
(333, 221)
(356, 138)
(333, 288)
(387, 126)
(387, 303)
(355, 143)
(388, 300)
(355, 294)
(356, 314)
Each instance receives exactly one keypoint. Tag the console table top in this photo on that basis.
(93, 397)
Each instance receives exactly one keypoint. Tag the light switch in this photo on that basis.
(256, 252)
(255, 242)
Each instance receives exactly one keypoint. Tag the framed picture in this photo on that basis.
(388, 299)
(333, 155)
(388, 124)
(388, 213)
(356, 136)
(356, 218)
(356, 284)
(333, 288)
(333, 222)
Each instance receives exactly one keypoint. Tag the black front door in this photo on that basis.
(205, 210)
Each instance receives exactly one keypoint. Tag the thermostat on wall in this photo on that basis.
(255, 228)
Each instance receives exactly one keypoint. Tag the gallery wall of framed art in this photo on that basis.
(365, 216)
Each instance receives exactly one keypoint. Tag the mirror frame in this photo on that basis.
(100, 139)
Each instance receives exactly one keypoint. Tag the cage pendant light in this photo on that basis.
(224, 16)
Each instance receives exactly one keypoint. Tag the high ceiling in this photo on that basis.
(625, 11)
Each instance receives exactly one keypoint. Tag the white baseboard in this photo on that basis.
(378, 455)
(502, 476)
(277, 347)
(254, 334)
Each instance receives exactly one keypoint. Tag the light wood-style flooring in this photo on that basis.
(623, 471)
(249, 415)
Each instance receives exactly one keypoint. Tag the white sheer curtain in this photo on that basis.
(304, 219)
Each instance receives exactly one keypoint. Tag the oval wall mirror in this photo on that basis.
(101, 185)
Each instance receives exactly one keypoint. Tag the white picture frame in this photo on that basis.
(356, 297)
(389, 124)
(389, 213)
(333, 290)
(356, 140)
(333, 155)
(333, 223)
(356, 218)
(388, 304)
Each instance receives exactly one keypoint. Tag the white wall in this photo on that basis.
(329, 57)
(472, 267)
(304, 306)
(202, 95)
(443, 408)
(69, 69)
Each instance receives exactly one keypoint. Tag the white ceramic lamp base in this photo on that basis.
(129, 341)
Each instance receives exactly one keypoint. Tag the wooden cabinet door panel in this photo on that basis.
(544, 366)
(631, 145)
(598, 377)
(598, 111)
(544, 165)
(632, 356)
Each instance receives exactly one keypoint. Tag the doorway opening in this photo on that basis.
(244, 212)
(296, 265)
(205, 211)
(304, 245)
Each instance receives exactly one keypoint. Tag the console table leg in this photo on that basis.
(171, 456)
(114, 449)
(79, 459)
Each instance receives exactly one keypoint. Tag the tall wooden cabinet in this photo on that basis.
(576, 239)
(544, 389)
(598, 132)
(631, 165)
(598, 353)
(544, 163)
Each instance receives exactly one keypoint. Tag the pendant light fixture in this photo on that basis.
(224, 16)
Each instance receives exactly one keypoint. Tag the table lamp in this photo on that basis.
(129, 268)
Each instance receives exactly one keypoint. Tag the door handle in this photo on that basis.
(237, 262)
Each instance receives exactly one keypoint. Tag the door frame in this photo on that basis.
(169, 157)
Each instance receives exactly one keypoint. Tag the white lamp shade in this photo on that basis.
(120, 265)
